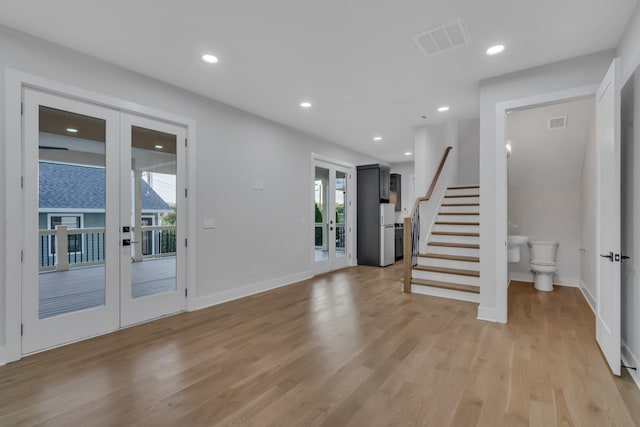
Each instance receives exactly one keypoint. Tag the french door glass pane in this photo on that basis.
(71, 212)
(341, 214)
(321, 206)
(153, 212)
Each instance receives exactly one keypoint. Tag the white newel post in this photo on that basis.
(137, 215)
(62, 248)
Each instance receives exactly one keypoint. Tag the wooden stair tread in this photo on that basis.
(455, 245)
(447, 270)
(456, 223)
(463, 187)
(450, 257)
(460, 204)
(454, 233)
(447, 285)
(457, 196)
(459, 213)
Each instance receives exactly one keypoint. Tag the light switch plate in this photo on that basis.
(209, 223)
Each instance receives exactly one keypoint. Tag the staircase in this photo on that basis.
(450, 266)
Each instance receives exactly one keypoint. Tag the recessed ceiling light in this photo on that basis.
(159, 147)
(443, 109)
(408, 153)
(494, 50)
(377, 138)
(72, 130)
(305, 104)
(211, 59)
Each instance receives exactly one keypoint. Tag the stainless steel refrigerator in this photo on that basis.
(387, 234)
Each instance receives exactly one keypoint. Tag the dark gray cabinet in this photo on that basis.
(399, 242)
(395, 188)
(373, 189)
(385, 183)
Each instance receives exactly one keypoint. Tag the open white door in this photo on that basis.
(608, 217)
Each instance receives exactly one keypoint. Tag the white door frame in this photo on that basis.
(500, 189)
(14, 82)
(351, 198)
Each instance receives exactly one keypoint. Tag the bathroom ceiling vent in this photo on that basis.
(557, 122)
(442, 38)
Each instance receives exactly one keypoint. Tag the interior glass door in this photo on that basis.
(152, 219)
(70, 261)
(331, 235)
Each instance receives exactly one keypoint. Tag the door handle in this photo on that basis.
(624, 257)
(127, 242)
(610, 256)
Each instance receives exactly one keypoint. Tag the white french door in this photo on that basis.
(151, 175)
(65, 177)
(332, 228)
(88, 180)
(608, 218)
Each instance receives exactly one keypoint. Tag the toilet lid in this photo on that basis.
(540, 262)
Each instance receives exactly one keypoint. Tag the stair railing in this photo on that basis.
(412, 227)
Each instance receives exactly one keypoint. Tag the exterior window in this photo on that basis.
(71, 221)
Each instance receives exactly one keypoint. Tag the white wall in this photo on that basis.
(407, 171)
(572, 73)
(629, 47)
(234, 149)
(468, 151)
(629, 52)
(431, 142)
(544, 174)
(589, 256)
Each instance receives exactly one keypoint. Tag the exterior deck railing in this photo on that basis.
(86, 246)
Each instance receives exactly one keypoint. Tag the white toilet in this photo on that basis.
(542, 254)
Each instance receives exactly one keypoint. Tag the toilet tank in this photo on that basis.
(543, 250)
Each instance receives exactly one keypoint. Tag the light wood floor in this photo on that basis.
(345, 348)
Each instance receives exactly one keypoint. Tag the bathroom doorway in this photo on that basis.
(551, 193)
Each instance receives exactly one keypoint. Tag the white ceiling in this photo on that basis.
(274, 54)
(547, 157)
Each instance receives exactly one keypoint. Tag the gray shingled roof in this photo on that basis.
(64, 186)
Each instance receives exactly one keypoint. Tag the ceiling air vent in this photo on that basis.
(442, 38)
(558, 122)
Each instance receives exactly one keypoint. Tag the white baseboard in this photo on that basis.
(247, 290)
(557, 280)
(629, 359)
(445, 293)
(586, 293)
(487, 314)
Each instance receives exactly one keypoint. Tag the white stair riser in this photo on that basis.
(448, 263)
(456, 239)
(453, 251)
(457, 228)
(474, 209)
(445, 293)
(443, 277)
(462, 191)
(461, 200)
(458, 218)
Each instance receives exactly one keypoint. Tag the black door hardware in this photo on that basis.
(610, 256)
